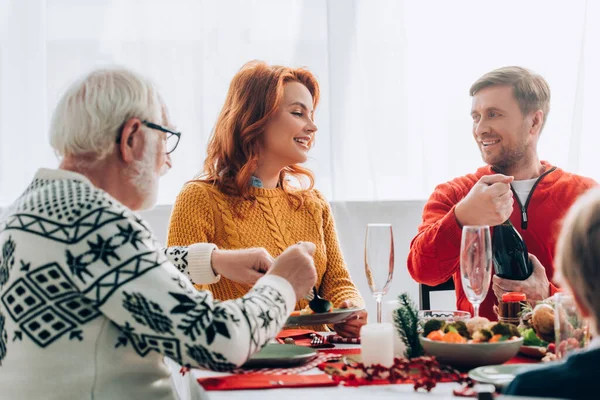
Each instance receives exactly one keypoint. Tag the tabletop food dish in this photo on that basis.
(281, 355)
(471, 343)
(498, 375)
(335, 316)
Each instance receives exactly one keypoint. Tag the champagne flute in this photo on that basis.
(379, 261)
(476, 264)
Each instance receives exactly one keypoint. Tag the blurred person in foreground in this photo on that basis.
(578, 271)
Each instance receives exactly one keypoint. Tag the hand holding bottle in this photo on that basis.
(536, 287)
(510, 255)
(489, 202)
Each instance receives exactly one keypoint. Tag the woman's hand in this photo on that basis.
(351, 326)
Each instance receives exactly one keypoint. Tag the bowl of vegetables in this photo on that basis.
(471, 343)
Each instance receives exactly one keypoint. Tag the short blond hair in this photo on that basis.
(531, 90)
(578, 252)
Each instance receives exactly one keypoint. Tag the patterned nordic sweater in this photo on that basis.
(203, 214)
(89, 304)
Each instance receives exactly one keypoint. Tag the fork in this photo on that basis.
(320, 342)
(316, 340)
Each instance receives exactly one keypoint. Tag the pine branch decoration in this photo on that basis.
(406, 319)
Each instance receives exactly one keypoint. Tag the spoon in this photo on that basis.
(318, 304)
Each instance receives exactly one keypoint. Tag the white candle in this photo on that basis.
(377, 344)
(389, 308)
(399, 346)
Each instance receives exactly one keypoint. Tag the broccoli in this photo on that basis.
(514, 331)
(460, 327)
(531, 339)
(432, 325)
(505, 329)
(482, 335)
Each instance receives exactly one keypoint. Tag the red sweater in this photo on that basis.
(434, 253)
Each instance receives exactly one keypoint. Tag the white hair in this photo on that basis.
(89, 116)
(143, 176)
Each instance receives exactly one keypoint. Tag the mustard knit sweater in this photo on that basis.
(203, 214)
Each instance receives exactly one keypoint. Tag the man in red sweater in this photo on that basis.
(509, 110)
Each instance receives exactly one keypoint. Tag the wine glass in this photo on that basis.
(379, 261)
(476, 264)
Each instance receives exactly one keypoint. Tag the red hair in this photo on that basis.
(254, 96)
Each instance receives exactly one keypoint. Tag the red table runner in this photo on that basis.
(267, 378)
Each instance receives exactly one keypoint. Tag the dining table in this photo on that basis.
(188, 387)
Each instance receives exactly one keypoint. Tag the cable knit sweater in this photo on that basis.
(203, 214)
(89, 306)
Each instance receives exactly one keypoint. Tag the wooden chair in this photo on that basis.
(425, 290)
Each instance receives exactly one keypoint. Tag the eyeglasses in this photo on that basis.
(171, 141)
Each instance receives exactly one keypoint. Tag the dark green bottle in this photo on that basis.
(509, 251)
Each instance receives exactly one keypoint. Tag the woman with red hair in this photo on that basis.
(254, 193)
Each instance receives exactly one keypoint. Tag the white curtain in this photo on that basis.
(394, 117)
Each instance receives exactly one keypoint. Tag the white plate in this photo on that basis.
(336, 316)
(537, 352)
(280, 355)
(498, 375)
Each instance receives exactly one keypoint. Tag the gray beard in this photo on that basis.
(143, 177)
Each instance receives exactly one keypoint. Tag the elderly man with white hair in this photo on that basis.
(89, 304)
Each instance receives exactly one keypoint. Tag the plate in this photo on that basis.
(498, 375)
(470, 355)
(533, 351)
(336, 316)
(280, 355)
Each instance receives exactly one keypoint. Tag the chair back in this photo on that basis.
(425, 290)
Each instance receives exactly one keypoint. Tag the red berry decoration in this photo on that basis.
(423, 372)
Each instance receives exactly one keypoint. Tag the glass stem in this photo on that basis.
(378, 299)
(476, 310)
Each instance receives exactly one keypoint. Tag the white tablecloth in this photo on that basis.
(189, 389)
(400, 391)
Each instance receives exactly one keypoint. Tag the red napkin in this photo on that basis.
(296, 334)
(344, 352)
(260, 381)
(302, 337)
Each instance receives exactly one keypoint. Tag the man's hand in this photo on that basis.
(243, 266)
(536, 287)
(351, 327)
(489, 202)
(297, 266)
